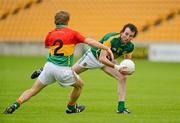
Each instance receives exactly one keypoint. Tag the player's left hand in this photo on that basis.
(110, 53)
(124, 71)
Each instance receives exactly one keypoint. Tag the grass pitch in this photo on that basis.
(153, 94)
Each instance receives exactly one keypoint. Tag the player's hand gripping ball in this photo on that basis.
(127, 67)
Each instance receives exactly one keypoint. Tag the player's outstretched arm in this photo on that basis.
(96, 44)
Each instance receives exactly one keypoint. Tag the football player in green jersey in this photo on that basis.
(121, 45)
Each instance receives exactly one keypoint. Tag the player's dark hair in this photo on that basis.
(62, 17)
(132, 27)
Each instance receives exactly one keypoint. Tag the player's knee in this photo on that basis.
(79, 84)
(121, 77)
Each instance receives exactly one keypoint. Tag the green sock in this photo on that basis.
(121, 105)
(71, 107)
(16, 104)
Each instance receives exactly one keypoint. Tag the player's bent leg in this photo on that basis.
(36, 88)
(26, 95)
(78, 86)
(72, 107)
(78, 69)
(114, 73)
(121, 88)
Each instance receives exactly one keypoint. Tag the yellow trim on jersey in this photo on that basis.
(128, 55)
(66, 49)
(69, 61)
(108, 42)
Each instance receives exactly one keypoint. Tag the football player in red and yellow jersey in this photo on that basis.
(61, 43)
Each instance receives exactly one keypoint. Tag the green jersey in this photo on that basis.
(113, 41)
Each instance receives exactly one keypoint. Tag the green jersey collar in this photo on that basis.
(60, 26)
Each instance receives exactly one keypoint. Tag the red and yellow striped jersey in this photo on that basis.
(61, 42)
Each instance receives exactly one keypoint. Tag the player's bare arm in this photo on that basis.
(95, 43)
(103, 58)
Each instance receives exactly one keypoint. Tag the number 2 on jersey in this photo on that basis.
(58, 48)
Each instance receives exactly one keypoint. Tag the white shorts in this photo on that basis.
(65, 76)
(88, 60)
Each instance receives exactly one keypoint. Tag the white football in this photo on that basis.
(129, 64)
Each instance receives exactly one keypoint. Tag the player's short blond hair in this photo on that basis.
(61, 17)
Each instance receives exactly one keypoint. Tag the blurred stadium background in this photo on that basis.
(25, 23)
(152, 92)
